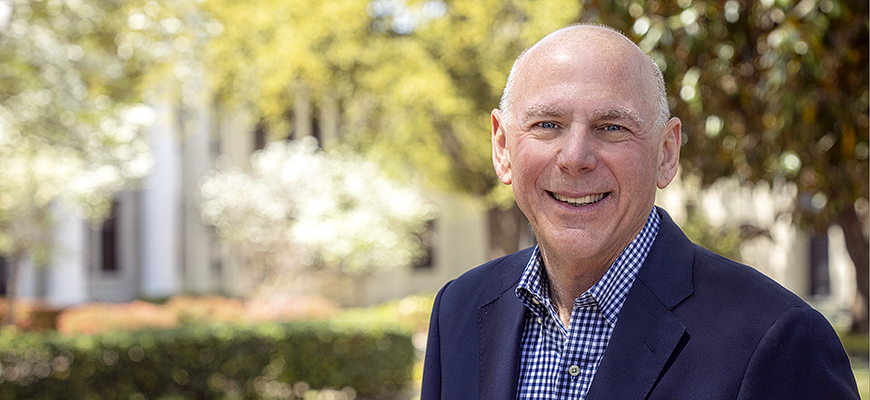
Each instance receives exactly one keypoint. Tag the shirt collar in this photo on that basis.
(610, 291)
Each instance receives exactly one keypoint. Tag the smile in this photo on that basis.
(579, 201)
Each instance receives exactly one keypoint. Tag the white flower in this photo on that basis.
(339, 207)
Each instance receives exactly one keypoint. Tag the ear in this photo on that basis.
(670, 153)
(501, 159)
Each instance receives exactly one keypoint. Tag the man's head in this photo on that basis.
(583, 137)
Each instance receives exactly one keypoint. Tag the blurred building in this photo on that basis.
(816, 267)
(155, 244)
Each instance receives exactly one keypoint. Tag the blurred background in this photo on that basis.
(210, 166)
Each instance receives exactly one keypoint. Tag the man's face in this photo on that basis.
(581, 149)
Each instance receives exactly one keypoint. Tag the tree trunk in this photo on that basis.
(12, 288)
(858, 248)
(506, 230)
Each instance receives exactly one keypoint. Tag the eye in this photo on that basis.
(613, 132)
(548, 125)
(613, 128)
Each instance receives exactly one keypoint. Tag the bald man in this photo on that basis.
(614, 302)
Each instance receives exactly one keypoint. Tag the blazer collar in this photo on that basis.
(500, 330)
(645, 336)
(667, 271)
(647, 333)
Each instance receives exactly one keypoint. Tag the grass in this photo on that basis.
(858, 347)
(862, 375)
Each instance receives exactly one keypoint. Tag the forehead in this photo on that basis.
(599, 70)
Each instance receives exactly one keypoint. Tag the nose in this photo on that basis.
(577, 152)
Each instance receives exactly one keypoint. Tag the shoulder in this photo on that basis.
(799, 356)
(681, 273)
(736, 284)
(749, 336)
(711, 293)
(737, 306)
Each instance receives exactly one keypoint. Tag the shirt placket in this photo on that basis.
(554, 338)
(549, 348)
(577, 355)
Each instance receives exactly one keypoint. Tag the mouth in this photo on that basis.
(579, 201)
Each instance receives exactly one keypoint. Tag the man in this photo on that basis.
(614, 302)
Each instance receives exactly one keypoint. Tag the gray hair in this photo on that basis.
(664, 113)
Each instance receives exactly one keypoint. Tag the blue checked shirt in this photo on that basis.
(558, 362)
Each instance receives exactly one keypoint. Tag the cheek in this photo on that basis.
(635, 168)
(527, 172)
(533, 157)
(531, 173)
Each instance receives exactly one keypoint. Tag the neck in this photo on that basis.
(568, 282)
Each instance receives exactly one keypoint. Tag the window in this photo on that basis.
(427, 242)
(108, 237)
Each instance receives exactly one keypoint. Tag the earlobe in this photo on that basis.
(670, 155)
(500, 154)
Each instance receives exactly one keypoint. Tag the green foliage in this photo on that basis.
(766, 90)
(415, 81)
(69, 127)
(410, 313)
(252, 362)
(73, 75)
(268, 49)
(857, 345)
(433, 104)
(70, 120)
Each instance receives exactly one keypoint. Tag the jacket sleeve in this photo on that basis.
(431, 386)
(799, 357)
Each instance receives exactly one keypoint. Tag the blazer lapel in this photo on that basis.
(642, 342)
(647, 333)
(500, 331)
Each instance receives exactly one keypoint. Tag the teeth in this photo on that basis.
(582, 201)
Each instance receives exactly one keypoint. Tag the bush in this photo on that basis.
(411, 313)
(198, 362)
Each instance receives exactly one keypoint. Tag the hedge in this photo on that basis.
(199, 362)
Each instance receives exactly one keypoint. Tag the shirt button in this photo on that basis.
(574, 370)
(535, 300)
(540, 321)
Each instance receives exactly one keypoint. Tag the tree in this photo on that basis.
(415, 81)
(301, 208)
(437, 96)
(270, 51)
(768, 90)
(70, 115)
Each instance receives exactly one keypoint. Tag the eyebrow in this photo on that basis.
(617, 114)
(607, 114)
(542, 110)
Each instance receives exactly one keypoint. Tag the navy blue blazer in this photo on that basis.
(694, 325)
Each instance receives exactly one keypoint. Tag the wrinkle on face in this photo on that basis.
(583, 124)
